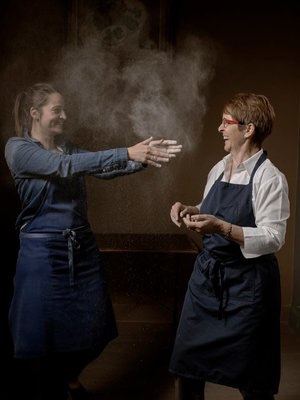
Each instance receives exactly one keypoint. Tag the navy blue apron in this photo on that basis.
(60, 302)
(229, 329)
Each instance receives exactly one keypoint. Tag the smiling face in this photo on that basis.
(255, 114)
(49, 119)
(233, 133)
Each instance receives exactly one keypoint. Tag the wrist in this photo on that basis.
(227, 231)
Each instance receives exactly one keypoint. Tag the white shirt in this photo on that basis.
(270, 201)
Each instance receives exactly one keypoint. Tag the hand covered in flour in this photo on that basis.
(154, 152)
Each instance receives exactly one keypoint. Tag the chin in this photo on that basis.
(58, 133)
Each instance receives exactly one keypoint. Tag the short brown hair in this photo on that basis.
(252, 108)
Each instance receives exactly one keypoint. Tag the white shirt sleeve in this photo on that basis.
(271, 208)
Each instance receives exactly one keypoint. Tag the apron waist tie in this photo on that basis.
(220, 291)
(214, 271)
(216, 275)
(70, 235)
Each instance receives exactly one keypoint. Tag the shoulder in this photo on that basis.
(15, 139)
(267, 171)
(217, 169)
(15, 142)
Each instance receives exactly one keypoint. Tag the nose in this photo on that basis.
(63, 115)
(221, 127)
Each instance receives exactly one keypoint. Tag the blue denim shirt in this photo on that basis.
(32, 167)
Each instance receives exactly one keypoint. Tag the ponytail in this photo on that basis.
(22, 118)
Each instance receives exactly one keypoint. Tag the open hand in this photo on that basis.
(154, 152)
(170, 145)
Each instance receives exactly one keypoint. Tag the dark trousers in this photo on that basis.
(189, 389)
(256, 396)
(192, 389)
(47, 378)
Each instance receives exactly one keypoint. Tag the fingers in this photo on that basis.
(175, 213)
(170, 146)
(155, 160)
(190, 223)
(178, 147)
(163, 152)
(157, 156)
(154, 164)
(156, 142)
(154, 152)
(169, 142)
(166, 142)
(147, 141)
(176, 222)
(174, 149)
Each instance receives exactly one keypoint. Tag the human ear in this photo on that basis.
(250, 130)
(34, 113)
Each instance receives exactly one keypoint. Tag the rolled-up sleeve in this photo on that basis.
(272, 209)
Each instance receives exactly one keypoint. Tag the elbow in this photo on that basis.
(274, 241)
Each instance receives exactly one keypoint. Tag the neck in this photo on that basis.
(48, 142)
(243, 155)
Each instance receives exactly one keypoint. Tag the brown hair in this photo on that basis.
(35, 96)
(252, 108)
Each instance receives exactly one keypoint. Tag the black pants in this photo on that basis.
(189, 389)
(256, 396)
(192, 389)
(46, 378)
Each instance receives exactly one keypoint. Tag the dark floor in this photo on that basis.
(135, 365)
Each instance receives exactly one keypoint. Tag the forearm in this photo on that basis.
(131, 167)
(232, 232)
(263, 240)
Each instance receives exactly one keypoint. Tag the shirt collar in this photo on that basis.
(61, 140)
(247, 165)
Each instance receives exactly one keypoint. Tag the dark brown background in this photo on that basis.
(257, 49)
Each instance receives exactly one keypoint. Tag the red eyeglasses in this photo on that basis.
(226, 122)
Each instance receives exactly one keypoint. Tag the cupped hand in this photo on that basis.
(202, 223)
(179, 211)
